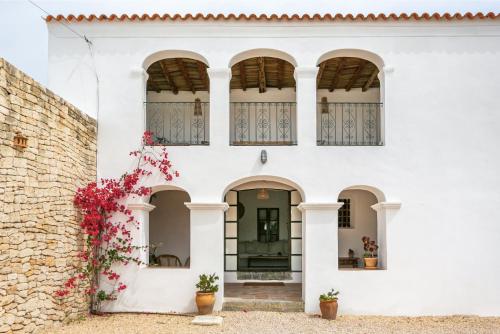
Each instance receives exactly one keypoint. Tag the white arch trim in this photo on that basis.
(375, 191)
(262, 53)
(274, 182)
(164, 54)
(358, 53)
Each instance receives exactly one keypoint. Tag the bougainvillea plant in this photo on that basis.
(106, 225)
(370, 247)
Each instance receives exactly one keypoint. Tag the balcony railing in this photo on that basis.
(178, 123)
(345, 124)
(263, 123)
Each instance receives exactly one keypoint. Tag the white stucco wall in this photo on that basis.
(363, 222)
(169, 224)
(440, 158)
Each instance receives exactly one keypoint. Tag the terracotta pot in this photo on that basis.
(370, 262)
(328, 309)
(205, 302)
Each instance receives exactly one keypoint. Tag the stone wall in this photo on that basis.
(39, 231)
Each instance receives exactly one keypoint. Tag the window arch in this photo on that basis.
(358, 219)
(262, 98)
(177, 98)
(349, 98)
(169, 229)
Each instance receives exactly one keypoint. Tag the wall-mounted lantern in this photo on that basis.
(197, 107)
(324, 105)
(20, 141)
(263, 156)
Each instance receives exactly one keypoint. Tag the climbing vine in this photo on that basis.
(106, 225)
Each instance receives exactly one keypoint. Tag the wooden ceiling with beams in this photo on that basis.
(178, 74)
(262, 73)
(347, 73)
(184, 74)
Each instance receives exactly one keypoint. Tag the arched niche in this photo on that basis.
(169, 229)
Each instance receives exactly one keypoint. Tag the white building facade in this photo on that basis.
(413, 147)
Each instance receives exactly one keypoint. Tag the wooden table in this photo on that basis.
(349, 261)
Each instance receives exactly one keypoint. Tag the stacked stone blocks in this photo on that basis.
(39, 232)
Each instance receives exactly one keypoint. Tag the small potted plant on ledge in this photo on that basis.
(370, 256)
(205, 296)
(328, 304)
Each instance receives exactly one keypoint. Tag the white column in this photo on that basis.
(385, 213)
(207, 242)
(140, 237)
(320, 251)
(306, 105)
(219, 105)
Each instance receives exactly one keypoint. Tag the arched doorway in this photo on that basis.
(177, 100)
(263, 241)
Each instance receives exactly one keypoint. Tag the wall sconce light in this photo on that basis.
(197, 107)
(324, 105)
(20, 141)
(263, 156)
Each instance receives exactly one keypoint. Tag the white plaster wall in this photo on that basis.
(439, 159)
(248, 223)
(169, 223)
(363, 222)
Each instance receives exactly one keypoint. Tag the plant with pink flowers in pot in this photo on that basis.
(370, 255)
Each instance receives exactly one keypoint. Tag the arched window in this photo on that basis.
(169, 229)
(349, 99)
(263, 108)
(177, 101)
(357, 220)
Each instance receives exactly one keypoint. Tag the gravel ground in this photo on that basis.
(273, 322)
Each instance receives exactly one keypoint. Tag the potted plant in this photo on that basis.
(205, 296)
(328, 304)
(370, 256)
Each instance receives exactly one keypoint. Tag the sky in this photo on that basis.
(23, 33)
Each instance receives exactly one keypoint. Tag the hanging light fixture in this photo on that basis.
(197, 107)
(262, 194)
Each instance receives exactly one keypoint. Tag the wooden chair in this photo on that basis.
(168, 260)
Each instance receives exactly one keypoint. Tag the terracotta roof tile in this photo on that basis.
(276, 17)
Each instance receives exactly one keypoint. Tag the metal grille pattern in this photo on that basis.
(345, 124)
(178, 123)
(263, 123)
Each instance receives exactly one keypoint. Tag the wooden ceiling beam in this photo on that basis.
(185, 74)
(153, 86)
(281, 73)
(370, 80)
(361, 65)
(262, 75)
(320, 73)
(336, 75)
(243, 75)
(202, 68)
(168, 78)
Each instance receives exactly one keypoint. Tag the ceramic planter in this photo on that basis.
(205, 302)
(371, 262)
(328, 309)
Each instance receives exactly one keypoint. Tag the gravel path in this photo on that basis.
(273, 322)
